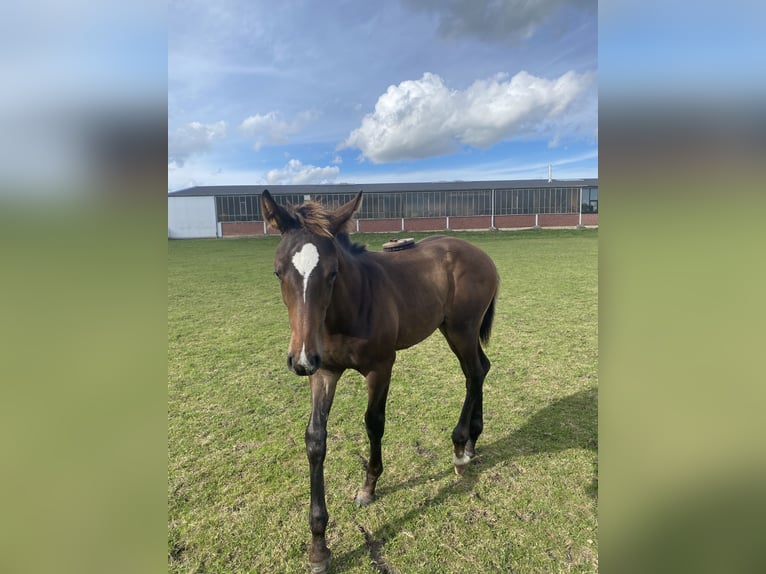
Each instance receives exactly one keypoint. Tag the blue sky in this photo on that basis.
(355, 92)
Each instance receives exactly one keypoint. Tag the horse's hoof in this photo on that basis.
(461, 463)
(363, 499)
(470, 449)
(320, 567)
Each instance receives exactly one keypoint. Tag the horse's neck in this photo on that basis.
(352, 290)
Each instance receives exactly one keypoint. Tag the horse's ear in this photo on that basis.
(276, 216)
(340, 220)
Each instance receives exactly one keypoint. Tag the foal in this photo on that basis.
(353, 309)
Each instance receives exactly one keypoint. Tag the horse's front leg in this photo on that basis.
(378, 381)
(322, 393)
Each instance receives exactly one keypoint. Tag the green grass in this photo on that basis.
(238, 486)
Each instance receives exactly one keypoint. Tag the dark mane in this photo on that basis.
(313, 217)
(316, 218)
(344, 241)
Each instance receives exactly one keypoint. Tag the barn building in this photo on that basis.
(230, 211)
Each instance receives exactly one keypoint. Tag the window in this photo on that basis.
(589, 200)
(381, 206)
(466, 203)
(238, 208)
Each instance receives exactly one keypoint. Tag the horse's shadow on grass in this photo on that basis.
(569, 422)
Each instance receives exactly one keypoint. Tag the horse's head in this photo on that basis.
(306, 264)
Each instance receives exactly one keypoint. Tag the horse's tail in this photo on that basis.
(486, 323)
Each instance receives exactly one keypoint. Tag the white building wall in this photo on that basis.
(191, 217)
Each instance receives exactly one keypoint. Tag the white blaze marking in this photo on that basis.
(303, 360)
(305, 260)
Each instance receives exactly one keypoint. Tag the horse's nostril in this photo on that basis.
(302, 371)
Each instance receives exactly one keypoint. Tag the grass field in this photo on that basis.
(238, 487)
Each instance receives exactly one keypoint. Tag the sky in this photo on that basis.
(266, 93)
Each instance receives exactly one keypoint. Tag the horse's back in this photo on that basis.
(440, 257)
(474, 277)
(437, 278)
(458, 257)
(460, 249)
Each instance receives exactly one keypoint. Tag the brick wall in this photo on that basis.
(242, 228)
(255, 228)
(590, 218)
(379, 225)
(558, 220)
(425, 224)
(474, 222)
(514, 221)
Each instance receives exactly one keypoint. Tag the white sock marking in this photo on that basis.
(305, 260)
(461, 461)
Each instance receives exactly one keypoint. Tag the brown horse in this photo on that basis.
(353, 309)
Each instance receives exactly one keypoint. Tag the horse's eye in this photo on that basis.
(333, 275)
(277, 275)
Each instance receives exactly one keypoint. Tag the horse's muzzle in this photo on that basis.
(305, 365)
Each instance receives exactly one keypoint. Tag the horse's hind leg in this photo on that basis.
(476, 424)
(475, 365)
(378, 381)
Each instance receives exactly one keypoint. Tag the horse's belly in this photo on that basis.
(415, 331)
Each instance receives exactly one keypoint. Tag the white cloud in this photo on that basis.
(272, 128)
(423, 118)
(295, 172)
(192, 138)
(205, 170)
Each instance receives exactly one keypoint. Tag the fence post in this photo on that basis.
(492, 220)
(579, 223)
(402, 199)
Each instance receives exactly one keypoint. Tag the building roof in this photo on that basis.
(214, 190)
